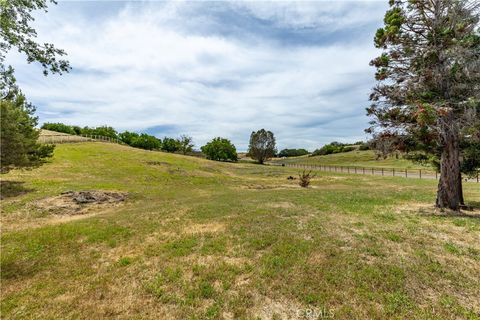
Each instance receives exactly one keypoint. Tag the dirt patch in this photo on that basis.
(79, 202)
(205, 228)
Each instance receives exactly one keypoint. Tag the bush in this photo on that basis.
(305, 178)
(58, 127)
(147, 142)
(128, 137)
(220, 149)
(364, 146)
(292, 152)
(170, 145)
(334, 147)
(103, 131)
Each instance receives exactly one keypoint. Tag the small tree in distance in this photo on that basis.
(186, 144)
(170, 145)
(220, 149)
(262, 145)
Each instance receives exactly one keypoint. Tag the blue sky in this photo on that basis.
(207, 69)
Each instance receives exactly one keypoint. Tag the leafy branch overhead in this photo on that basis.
(15, 31)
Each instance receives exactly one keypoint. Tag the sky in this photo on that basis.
(208, 69)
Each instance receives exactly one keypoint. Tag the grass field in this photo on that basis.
(356, 158)
(198, 239)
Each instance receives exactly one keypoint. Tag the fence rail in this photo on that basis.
(392, 172)
(65, 138)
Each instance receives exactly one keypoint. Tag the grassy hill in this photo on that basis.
(356, 158)
(207, 240)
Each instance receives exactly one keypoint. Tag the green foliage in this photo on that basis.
(146, 141)
(15, 31)
(170, 144)
(333, 147)
(19, 147)
(220, 149)
(103, 131)
(364, 146)
(59, 127)
(186, 144)
(262, 145)
(128, 137)
(293, 152)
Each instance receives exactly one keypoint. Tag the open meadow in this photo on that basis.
(197, 239)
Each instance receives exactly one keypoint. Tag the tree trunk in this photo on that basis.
(449, 193)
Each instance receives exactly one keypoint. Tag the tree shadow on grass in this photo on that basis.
(9, 189)
(471, 210)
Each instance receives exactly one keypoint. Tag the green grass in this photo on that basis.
(356, 158)
(198, 239)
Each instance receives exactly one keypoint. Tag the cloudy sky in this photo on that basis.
(206, 69)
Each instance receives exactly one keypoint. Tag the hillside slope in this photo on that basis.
(202, 239)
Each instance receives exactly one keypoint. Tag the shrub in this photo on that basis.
(103, 131)
(364, 146)
(170, 145)
(147, 142)
(58, 127)
(305, 178)
(220, 149)
(128, 137)
(292, 152)
(334, 147)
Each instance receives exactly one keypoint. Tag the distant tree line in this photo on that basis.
(262, 145)
(183, 144)
(338, 147)
(292, 153)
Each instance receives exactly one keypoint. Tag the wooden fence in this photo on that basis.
(392, 172)
(67, 138)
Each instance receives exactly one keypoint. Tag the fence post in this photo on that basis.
(372, 172)
(382, 171)
(355, 169)
(436, 175)
(393, 170)
(420, 175)
(406, 173)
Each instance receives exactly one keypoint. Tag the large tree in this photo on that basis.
(428, 96)
(262, 145)
(19, 147)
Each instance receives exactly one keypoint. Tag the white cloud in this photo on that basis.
(140, 66)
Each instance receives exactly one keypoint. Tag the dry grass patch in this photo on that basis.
(266, 308)
(281, 205)
(213, 227)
